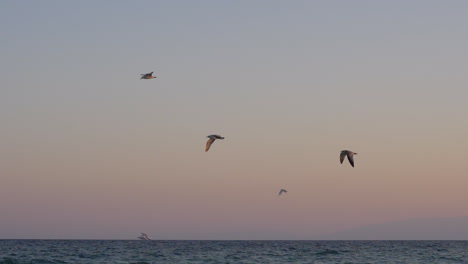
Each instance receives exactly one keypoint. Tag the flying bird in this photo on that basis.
(147, 76)
(210, 141)
(348, 154)
(144, 236)
(282, 191)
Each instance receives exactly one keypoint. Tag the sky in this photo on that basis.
(90, 151)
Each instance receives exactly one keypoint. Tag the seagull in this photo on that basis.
(147, 76)
(349, 154)
(210, 141)
(144, 236)
(282, 191)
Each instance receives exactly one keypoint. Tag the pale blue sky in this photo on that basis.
(288, 83)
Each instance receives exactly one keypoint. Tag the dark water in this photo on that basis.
(115, 251)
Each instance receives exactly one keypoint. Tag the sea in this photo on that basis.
(204, 251)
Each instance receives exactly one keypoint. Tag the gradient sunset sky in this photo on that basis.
(88, 150)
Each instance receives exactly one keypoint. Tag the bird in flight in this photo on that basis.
(147, 76)
(348, 154)
(282, 191)
(210, 141)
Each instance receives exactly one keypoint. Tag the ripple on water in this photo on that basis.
(197, 252)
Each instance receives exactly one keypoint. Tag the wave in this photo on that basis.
(327, 252)
(32, 261)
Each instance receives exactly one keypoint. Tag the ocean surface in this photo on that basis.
(127, 251)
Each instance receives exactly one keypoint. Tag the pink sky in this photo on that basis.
(90, 151)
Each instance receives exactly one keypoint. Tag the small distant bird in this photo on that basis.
(348, 154)
(210, 141)
(282, 191)
(147, 76)
(144, 236)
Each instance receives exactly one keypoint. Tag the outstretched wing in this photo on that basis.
(342, 155)
(208, 144)
(351, 159)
